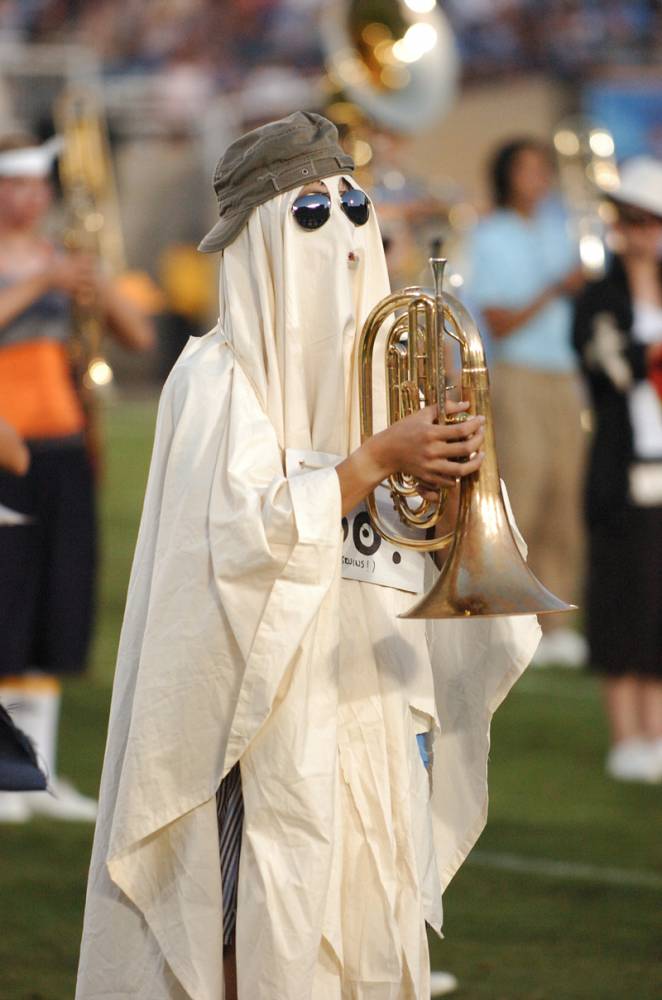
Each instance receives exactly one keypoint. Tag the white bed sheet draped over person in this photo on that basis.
(242, 643)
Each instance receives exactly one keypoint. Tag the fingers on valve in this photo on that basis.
(456, 470)
(466, 428)
(462, 449)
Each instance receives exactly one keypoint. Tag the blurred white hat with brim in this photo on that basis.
(640, 184)
(30, 161)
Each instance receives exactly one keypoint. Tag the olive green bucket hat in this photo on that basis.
(277, 157)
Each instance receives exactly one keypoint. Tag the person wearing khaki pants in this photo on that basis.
(541, 458)
(522, 276)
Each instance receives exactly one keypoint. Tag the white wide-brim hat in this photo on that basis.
(640, 184)
(31, 161)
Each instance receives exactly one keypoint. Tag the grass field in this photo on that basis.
(562, 900)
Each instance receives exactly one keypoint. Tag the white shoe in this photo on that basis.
(62, 802)
(13, 807)
(655, 749)
(563, 647)
(633, 760)
(442, 983)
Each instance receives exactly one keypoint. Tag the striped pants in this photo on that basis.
(230, 812)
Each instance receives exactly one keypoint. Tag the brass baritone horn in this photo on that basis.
(484, 573)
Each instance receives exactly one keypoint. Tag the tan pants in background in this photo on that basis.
(541, 452)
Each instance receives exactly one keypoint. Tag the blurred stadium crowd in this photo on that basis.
(223, 41)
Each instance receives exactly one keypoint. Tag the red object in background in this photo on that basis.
(655, 375)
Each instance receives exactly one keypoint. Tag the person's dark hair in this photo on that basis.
(502, 165)
(625, 212)
(17, 140)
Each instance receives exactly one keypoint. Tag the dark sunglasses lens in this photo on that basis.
(355, 205)
(312, 210)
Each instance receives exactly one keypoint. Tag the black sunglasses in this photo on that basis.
(312, 210)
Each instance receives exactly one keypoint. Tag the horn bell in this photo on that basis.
(485, 573)
(486, 580)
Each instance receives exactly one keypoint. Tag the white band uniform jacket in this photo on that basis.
(241, 642)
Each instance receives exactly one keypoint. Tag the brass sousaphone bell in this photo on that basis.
(484, 573)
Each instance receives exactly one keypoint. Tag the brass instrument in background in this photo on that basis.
(93, 223)
(484, 573)
(393, 65)
(587, 168)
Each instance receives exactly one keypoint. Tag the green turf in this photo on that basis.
(509, 936)
(513, 935)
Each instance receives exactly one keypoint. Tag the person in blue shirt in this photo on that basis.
(523, 274)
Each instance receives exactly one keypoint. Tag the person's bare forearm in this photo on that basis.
(14, 454)
(20, 296)
(503, 322)
(129, 325)
(362, 471)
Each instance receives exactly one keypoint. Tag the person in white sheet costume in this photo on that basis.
(241, 642)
